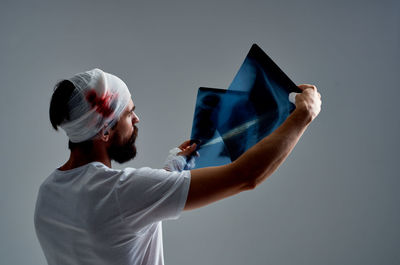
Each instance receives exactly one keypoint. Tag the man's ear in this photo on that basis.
(105, 134)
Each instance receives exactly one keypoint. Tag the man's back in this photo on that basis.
(97, 215)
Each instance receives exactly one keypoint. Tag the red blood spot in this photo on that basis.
(102, 104)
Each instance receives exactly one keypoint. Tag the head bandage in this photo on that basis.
(97, 103)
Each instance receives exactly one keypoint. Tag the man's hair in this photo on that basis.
(59, 112)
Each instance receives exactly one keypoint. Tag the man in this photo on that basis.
(89, 213)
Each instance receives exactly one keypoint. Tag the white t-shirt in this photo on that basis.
(97, 215)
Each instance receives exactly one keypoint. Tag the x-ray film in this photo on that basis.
(228, 122)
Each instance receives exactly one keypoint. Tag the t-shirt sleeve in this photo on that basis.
(148, 195)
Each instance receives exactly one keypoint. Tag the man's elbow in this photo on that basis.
(251, 172)
(248, 182)
(250, 185)
(253, 181)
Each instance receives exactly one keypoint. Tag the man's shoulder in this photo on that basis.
(140, 172)
(148, 173)
(82, 175)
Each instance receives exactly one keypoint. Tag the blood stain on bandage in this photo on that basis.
(102, 104)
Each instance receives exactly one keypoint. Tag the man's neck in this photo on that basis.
(78, 158)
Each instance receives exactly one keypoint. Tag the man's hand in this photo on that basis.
(309, 100)
(182, 158)
(187, 148)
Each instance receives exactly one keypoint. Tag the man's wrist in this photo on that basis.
(302, 116)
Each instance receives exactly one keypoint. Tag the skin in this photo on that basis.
(211, 184)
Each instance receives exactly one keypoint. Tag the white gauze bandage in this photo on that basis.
(175, 162)
(97, 103)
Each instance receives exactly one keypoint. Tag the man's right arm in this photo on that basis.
(211, 184)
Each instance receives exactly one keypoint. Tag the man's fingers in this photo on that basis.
(308, 90)
(188, 150)
(305, 86)
(184, 145)
(193, 146)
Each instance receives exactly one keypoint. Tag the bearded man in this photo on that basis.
(89, 213)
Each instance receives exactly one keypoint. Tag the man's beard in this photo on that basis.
(123, 152)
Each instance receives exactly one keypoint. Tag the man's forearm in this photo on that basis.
(260, 161)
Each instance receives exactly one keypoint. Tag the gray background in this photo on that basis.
(334, 201)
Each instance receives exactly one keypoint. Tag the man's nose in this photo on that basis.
(135, 118)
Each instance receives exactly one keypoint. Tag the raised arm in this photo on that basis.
(259, 162)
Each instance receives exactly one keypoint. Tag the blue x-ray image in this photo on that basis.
(228, 122)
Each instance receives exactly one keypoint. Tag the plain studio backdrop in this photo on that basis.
(336, 198)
